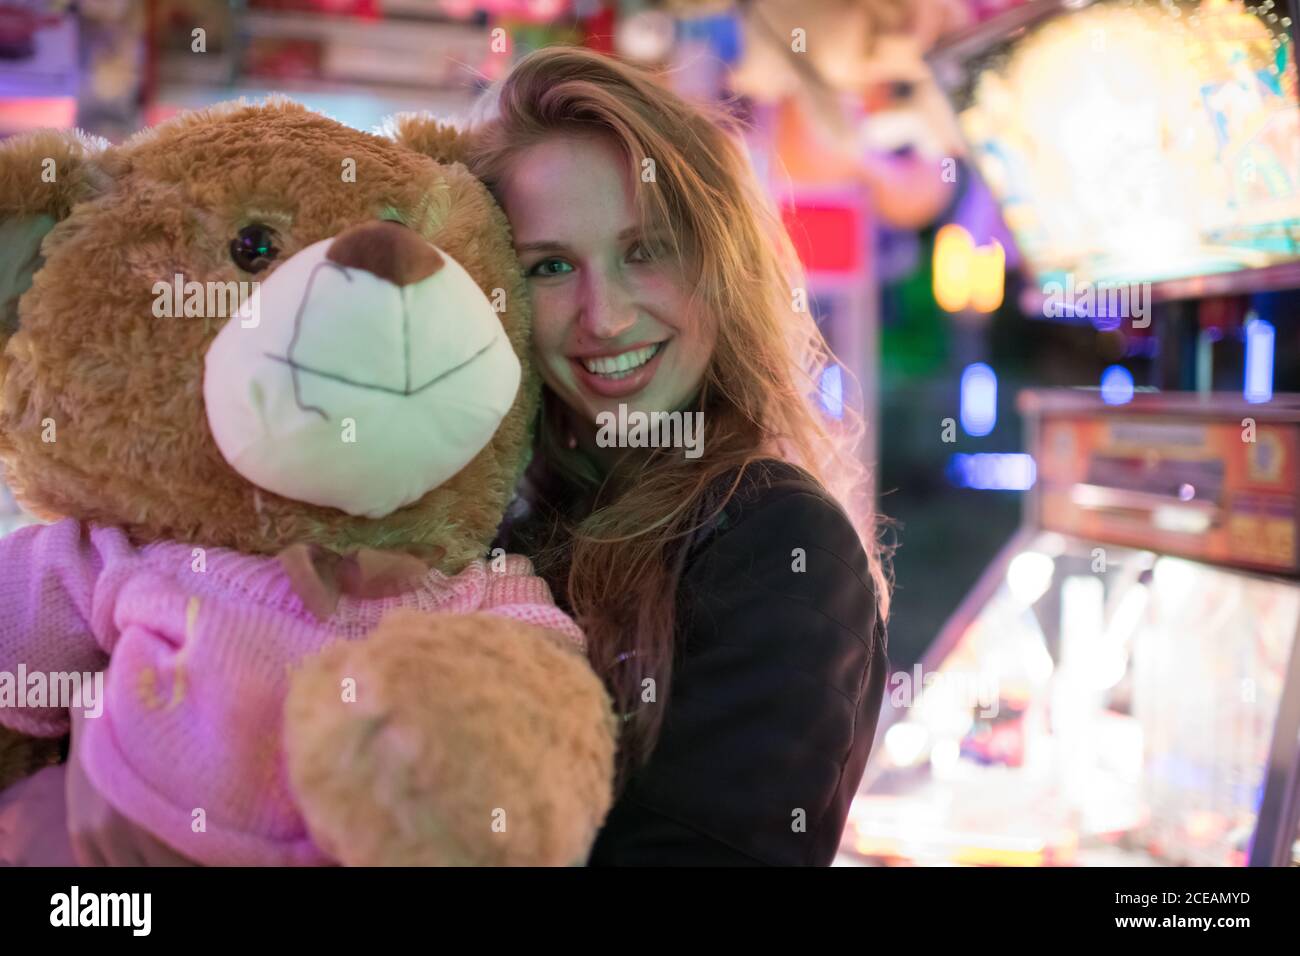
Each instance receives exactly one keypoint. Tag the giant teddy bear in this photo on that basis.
(268, 506)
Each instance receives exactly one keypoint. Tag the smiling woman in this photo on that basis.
(634, 332)
(749, 678)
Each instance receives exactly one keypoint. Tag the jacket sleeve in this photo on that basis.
(773, 704)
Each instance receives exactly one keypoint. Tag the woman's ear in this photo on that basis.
(42, 176)
(424, 133)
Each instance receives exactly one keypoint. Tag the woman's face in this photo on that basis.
(611, 324)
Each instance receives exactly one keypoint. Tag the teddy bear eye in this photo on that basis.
(254, 248)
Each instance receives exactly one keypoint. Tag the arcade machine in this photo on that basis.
(1122, 686)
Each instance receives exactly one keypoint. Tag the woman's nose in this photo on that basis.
(607, 309)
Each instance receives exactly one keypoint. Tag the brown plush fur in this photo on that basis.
(426, 135)
(494, 685)
(124, 389)
(456, 716)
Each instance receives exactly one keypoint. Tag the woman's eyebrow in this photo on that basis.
(553, 245)
(545, 245)
(643, 234)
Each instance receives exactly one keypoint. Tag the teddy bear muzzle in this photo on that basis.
(365, 371)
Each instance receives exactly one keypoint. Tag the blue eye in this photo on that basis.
(550, 267)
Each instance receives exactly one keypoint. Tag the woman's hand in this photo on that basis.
(99, 835)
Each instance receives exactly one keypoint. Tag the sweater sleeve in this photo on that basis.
(47, 583)
(774, 699)
(514, 591)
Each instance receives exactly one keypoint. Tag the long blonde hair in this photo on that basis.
(613, 546)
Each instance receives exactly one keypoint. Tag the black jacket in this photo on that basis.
(775, 694)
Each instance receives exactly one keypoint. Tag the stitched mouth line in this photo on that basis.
(297, 368)
(374, 386)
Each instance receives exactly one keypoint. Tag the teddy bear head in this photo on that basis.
(252, 326)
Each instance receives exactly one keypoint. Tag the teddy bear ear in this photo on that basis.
(429, 135)
(42, 176)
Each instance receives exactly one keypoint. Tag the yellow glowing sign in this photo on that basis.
(967, 276)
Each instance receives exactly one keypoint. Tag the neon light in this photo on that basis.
(1116, 385)
(832, 391)
(1260, 336)
(827, 238)
(993, 472)
(988, 274)
(954, 255)
(979, 400)
(1029, 575)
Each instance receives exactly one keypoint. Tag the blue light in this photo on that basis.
(1117, 385)
(720, 31)
(988, 472)
(832, 391)
(1259, 360)
(979, 400)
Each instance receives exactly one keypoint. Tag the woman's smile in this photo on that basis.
(619, 374)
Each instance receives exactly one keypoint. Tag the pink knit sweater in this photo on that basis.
(201, 648)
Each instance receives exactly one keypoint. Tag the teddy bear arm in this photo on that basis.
(47, 573)
(472, 740)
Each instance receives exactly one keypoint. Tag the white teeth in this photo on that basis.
(620, 366)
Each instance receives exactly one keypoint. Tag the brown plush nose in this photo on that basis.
(387, 249)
